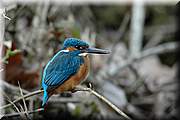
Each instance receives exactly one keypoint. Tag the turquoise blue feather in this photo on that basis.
(62, 66)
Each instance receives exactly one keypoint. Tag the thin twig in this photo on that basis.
(17, 109)
(25, 106)
(23, 116)
(104, 100)
(4, 15)
(31, 107)
(16, 15)
(155, 39)
(8, 99)
(17, 114)
(22, 97)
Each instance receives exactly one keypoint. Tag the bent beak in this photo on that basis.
(97, 51)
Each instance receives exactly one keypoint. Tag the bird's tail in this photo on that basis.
(45, 98)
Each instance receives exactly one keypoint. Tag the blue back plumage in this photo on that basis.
(62, 66)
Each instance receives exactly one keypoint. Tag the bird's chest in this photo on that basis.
(76, 79)
(82, 72)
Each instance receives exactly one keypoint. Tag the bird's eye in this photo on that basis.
(80, 47)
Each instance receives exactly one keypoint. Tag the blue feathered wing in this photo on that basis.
(58, 70)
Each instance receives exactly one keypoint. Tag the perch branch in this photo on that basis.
(104, 100)
(55, 99)
(77, 89)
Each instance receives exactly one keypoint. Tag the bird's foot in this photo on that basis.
(73, 90)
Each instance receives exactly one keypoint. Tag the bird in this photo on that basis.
(68, 68)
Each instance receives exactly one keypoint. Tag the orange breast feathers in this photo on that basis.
(76, 79)
(71, 48)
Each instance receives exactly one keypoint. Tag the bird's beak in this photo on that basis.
(97, 51)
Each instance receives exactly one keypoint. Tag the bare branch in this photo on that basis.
(17, 109)
(104, 100)
(137, 24)
(23, 116)
(17, 114)
(25, 106)
(163, 48)
(13, 19)
(8, 99)
(160, 34)
(23, 97)
(4, 15)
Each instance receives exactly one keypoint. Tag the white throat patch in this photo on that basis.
(83, 54)
(64, 51)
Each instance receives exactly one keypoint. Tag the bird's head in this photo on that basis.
(74, 44)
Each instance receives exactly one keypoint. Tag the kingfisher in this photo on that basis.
(68, 67)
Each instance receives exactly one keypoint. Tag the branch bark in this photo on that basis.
(137, 24)
(115, 108)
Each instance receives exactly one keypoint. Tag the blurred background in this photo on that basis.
(139, 76)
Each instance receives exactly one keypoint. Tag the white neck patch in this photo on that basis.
(83, 54)
(64, 51)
